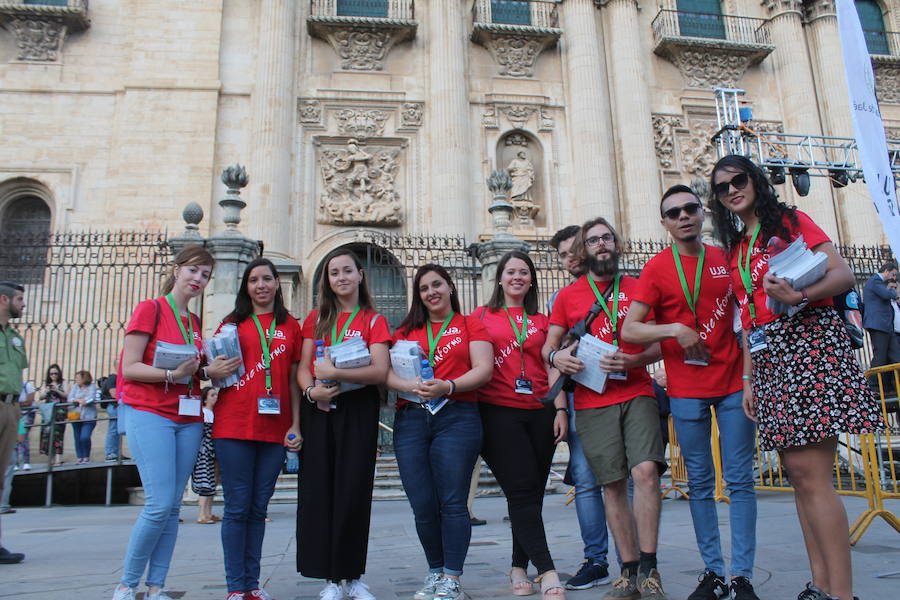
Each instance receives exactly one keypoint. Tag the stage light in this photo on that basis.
(776, 174)
(839, 178)
(800, 179)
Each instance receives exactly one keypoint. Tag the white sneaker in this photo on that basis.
(426, 592)
(259, 594)
(123, 593)
(26, 467)
(448, 589)
(332, 591)
(357, 590)
(159, 596)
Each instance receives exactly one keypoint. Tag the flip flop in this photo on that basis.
(206, 521)
(521, 586)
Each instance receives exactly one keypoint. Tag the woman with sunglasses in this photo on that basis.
(340, 431)
(520, 434)
(802, 383)
(53, 393)
(436, 448)
(254, 420)
(164, 419)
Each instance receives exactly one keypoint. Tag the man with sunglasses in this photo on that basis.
(12, 362)
(687, 290)
(618, 428)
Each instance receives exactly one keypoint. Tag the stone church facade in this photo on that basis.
(389, 115)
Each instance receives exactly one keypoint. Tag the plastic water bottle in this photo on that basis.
(427, 370)
(320, 356)
(292, 459)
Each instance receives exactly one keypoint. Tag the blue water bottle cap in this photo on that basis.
(291, 436)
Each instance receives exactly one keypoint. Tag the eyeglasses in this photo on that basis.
(691, 209)
(595, 240)
(738, 182)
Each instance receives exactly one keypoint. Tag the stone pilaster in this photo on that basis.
(793, 71)
(593, 187)
(638, 178)
(450, 192)
(272, 127)
(858, 220)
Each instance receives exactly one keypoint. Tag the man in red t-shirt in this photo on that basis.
(687, 287)
(618, 428)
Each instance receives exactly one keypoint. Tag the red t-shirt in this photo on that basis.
(660, 288)
(501, 389)
(572, 304)
(367, 324)
(237, 409)
(759, 266)
(451, 357)
(157, 397)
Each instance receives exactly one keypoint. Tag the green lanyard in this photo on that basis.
(521, 336)
(266, 355)
(433, 340)
(691, 298)
(744, 269)
(615, 309)
(337, 339)
(187, 339)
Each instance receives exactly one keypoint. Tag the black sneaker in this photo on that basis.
(742, 590)
(811, 592)
(10, 558)
(711, 587)
(590, 574)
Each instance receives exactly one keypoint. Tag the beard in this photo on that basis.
(604, 267)
(14, 313)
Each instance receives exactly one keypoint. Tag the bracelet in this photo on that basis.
(564, 409)
(306, 394)
(745, 377)
(452, 387)
(204, 374)
(170, 378)
(551, 356)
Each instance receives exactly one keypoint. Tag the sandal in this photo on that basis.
(553, 588)
(206, 521)
(216, 518)
(521, 586)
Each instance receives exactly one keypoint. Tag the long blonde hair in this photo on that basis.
(189, 256)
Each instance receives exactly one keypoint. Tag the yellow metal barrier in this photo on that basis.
(677, 470)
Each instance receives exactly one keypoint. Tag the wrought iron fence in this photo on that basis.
(733, 28)
(525, 13)
(80, 291)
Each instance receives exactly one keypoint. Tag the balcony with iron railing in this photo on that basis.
(362, 32)
(883, 43)
(515, 31)
(40, 26)
(74, 12)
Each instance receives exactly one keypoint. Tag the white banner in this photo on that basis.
(867, 124)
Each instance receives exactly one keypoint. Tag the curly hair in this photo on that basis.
(768, 208)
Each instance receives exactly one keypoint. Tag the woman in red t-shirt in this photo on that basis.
(436, 447)
(789, 360)
(164, 421)
(254, 420)
(520, 433)
(340, 431)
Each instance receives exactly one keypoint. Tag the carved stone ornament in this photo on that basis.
(697, 154)
(664, 127)
(518, 115)
(515, 48)
(516, 139)
(361, 47)
(515, 54)
(310, 111)
(40, 29)
(411, 114)
(546, 119)
(887, 78)
(892, 133)
(777, 7)
(361, 123)
(711, 67)
(358, 186)
(489, 119)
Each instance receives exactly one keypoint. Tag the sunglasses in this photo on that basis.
(738, 182)
(690, 208)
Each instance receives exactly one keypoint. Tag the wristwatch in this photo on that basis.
(803, 302)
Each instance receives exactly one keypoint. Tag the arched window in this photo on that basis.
(872, 21)
(701, 18)
(362, 8)
(385, 278)
(24, 234)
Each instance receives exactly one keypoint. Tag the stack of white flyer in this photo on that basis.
(169, 356)
(800, 266)
(350, 354)
(225, 343)
(406, 360)
(590, 351)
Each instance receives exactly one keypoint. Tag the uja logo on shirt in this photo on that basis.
(719, 272)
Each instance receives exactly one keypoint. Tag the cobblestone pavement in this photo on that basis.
(75, 553)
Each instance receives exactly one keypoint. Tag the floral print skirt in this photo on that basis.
(808, 384)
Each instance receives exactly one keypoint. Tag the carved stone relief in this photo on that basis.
(515, 54)
(520, 157)
(361, 48)
(711, 67)
(516, 139)
(310, 111)
(518, 115)
(38, 38)
(489, 119)
(664, 138)
(546, 119)
(411, 114)
(361, 123)
(887, 81)
(359, 185)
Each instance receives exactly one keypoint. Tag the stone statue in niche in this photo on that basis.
(359, 186)
(521, 171)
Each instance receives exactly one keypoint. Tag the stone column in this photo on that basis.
(491, 251)
(791, 64)
(636, 159)
(590, 131)
(272, 127)
(449, 121)
(859, 223)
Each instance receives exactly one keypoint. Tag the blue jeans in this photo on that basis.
(436, 455)
(737, 440)
(112, 434)
(83, 438)
(588, 497)
(249, 471)
(165, 452)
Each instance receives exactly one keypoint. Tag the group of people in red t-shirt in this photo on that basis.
(486, 374)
